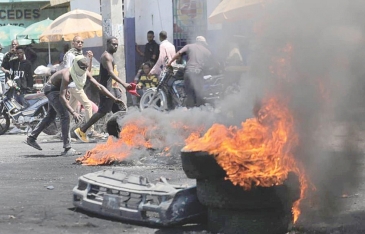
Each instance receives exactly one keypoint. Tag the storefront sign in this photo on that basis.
(26, 14)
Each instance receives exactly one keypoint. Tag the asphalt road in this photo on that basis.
(27, 205)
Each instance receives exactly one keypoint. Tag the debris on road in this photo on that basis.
(115, 194)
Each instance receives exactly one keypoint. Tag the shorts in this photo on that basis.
(107, 105)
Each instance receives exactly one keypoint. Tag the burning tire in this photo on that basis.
(201, 165)
(249, 221)
(112, 125)
(221, 193)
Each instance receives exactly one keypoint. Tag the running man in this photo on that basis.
(107, 79)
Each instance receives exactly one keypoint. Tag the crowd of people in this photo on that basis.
(75, 69)
(157, 57)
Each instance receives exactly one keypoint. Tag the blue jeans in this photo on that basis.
(54, 107)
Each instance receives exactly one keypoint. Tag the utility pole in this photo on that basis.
(112, 12)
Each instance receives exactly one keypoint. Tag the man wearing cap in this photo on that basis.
(167, 51)
(199, 59)
(2, 74)
(55, 90)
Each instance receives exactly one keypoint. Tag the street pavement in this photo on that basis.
(27, 205)
(36, 192)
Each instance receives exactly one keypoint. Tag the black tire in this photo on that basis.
(222, 194)
(112, 125)
(249, 222)
(4, 123)
(201, 165)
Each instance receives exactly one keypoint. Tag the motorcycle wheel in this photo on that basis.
(4, 123)
(158, 103)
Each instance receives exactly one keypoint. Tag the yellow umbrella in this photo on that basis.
(233, 10)
(82, 23)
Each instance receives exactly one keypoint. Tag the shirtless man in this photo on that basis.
(109, 79)
(55, 90)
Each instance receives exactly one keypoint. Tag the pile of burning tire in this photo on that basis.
(231, 209)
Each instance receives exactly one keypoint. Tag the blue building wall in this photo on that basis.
(129, 48)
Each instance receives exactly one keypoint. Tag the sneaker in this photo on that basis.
(81, 135)
(31, 142)
(70, 152)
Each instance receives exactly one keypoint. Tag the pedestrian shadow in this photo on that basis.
(42, 156)
(188, 228)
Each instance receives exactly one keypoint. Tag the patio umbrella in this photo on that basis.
(82, 23)
(33, 31)
(9, 33)
(234, 10)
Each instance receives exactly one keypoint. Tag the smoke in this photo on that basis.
(167, 131)
(312, 53)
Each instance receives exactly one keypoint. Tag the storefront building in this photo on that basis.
(26, 12)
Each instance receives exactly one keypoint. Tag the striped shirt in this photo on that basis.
(148, 82)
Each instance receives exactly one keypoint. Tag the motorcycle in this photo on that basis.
(23, 117)
(170, 93)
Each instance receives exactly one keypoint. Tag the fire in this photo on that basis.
(260, 152)
(142, 134)
(132, 136)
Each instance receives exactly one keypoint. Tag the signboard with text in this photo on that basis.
(25, 14)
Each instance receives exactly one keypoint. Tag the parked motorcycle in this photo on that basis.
(23, 117)
(170, 92)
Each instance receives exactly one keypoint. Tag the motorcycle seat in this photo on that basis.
(33, 96)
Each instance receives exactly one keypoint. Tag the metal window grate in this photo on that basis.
(190, 20)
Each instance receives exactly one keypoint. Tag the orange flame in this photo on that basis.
(132, 136)
(259, 153)
(141, 134)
